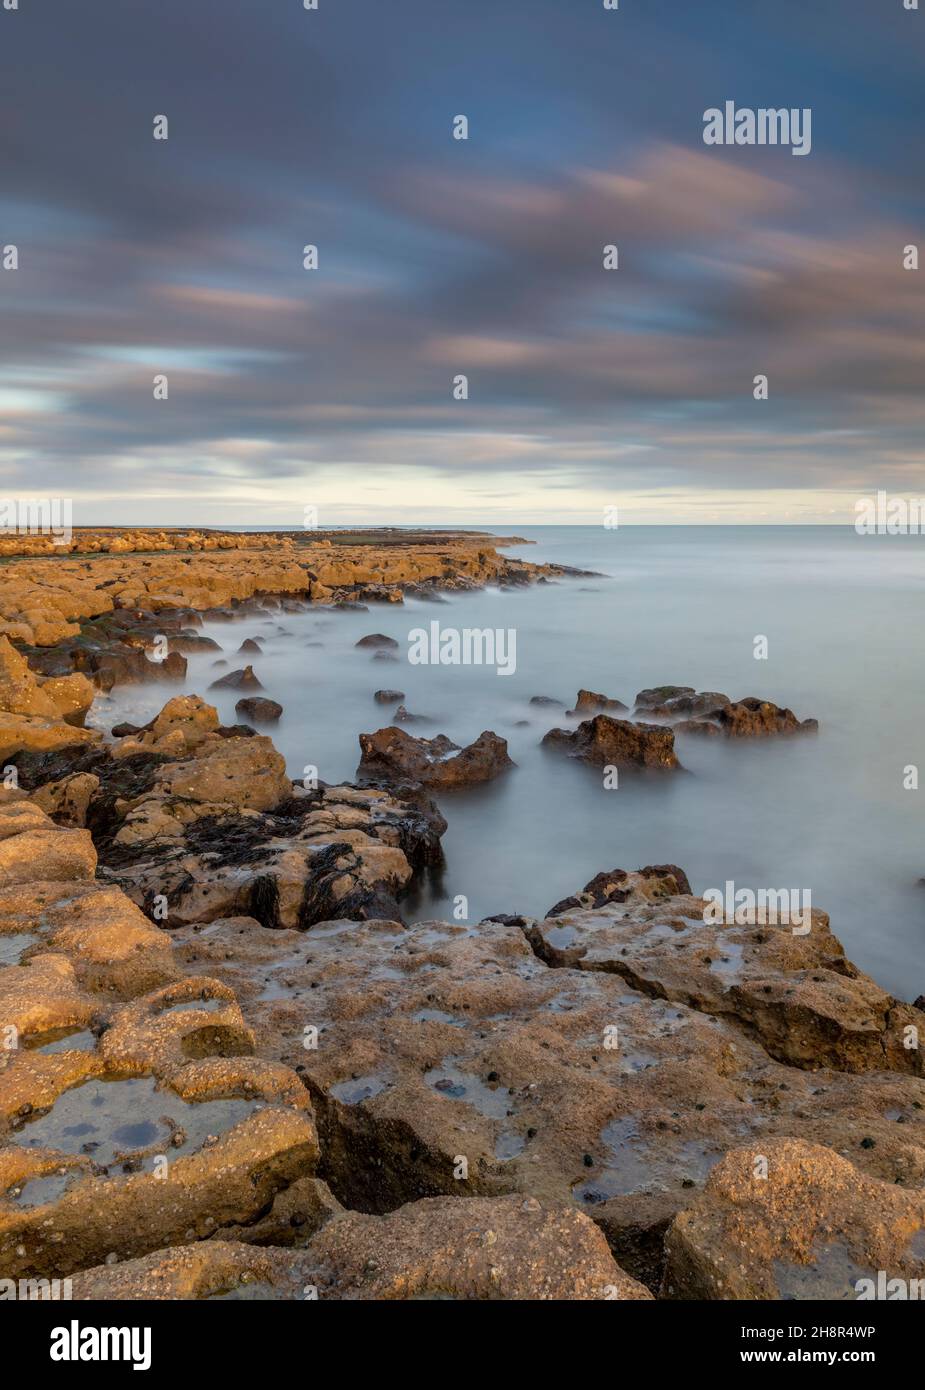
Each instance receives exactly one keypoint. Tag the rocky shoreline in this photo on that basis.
(230, 1069)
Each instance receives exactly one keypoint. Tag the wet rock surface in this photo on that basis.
(789, 984)
(442, 1043)
(796, 1221)
(133, 1113)
(495, 1104)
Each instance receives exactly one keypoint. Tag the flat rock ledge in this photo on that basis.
(134, 1113)
(104, 609)
(554, 1066)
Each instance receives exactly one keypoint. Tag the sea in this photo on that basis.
(819, 619)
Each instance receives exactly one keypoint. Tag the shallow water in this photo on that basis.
(827, 814)
(109, 1119)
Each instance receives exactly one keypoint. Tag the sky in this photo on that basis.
(333, 388)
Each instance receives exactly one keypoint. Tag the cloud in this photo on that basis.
(439, 258)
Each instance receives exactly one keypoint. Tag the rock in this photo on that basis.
(72, 696)
(793, 990)
(688, 706)
(223, 772)
(467, 1248)
(206, 822)
(659, 695)
(711, 713)
(192, 642)
(785, 1219)
(404, 716)
(20, 692)
(250, 645)
(260, 710)
(545, 701)
(388, 697)
(377, 640)
(68, 801)
(129, 1120)
(114, 951)
(751, 718)
(443, 1041)
(229, 1181)
(588, 702)
(442, 1248)
(57, 698)
(207, 1270)
(391, 754)
(700, 727)
(237, 680)
(603, 741)
(189, 715)
(32, 734)
(173, 667)
(617, 886)
(32, 847)
(336, 852)
(120, 664)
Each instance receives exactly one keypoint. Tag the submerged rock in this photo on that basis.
(589, 702)
(752, 718)
(404, 716)
(686, 705)
(237, 680)
(391, 754)
(711, 713)
(262, 711)
(603, 741)
(378, 641)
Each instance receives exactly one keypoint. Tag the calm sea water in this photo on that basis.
(671, 606)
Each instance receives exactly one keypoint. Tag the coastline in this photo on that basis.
(487, 1042)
